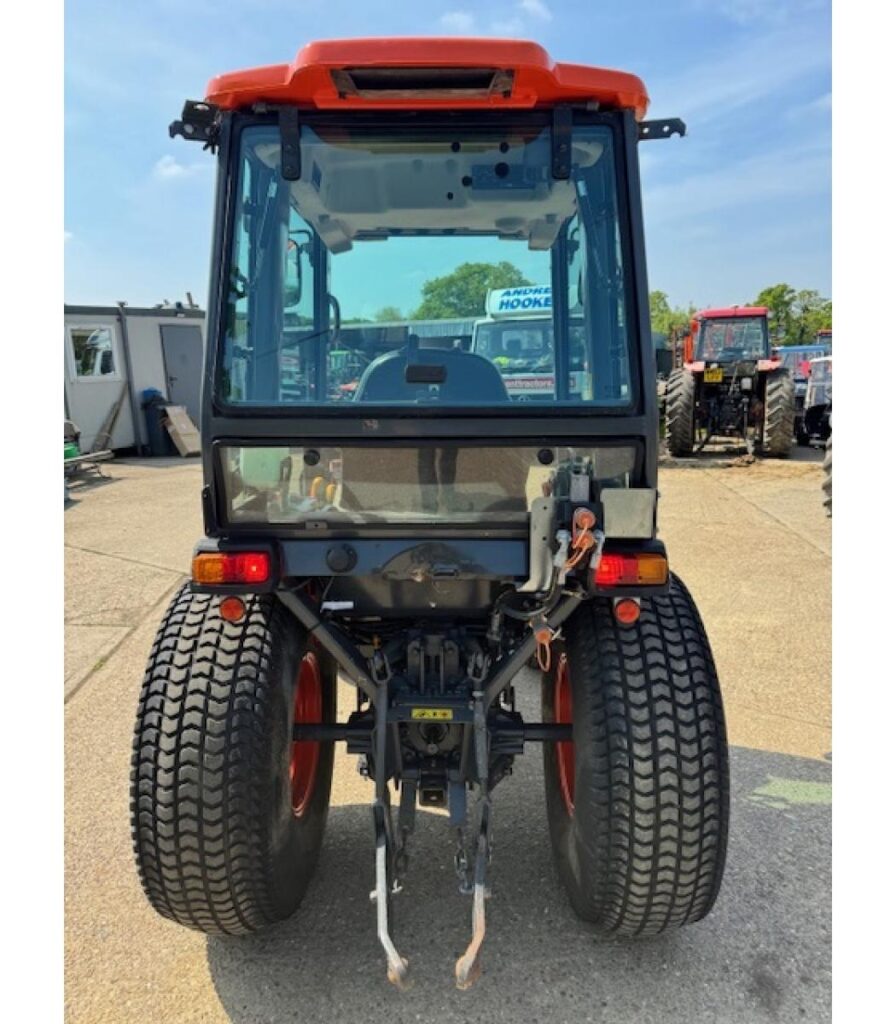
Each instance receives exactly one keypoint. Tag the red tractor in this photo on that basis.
(731, 385)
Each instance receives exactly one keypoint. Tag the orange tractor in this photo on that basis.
(426, 532)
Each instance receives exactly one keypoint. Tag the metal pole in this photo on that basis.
(129, 375)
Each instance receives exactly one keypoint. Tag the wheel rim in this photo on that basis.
(566, 751)
(307, 710)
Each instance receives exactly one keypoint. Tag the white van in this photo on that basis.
(517, 335)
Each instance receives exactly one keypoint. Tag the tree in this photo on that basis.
(795, 317)
(462, 292)
(387, 314)
(779, 298)
(812, 313)
(664, 318)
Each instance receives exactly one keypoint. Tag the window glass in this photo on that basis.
(93, 351)
(446, 483)
(417, 268)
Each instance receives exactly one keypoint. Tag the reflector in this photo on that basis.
(232, 608)
(627, 610)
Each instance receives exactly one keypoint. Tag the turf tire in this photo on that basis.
(642, 848)
(217, 844)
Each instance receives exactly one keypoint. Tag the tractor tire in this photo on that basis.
(779, 414)
(680, 409)
(826, 483)
(227, 813)
(638, 802)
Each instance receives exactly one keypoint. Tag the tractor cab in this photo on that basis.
(378, 502)
(825, 337)
(815, 424)
(798, 359)
(730, 336)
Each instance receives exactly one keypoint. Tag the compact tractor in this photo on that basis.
(424, 535)
(731, 385)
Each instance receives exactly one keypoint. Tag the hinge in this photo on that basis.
(290, 153)
(561, 143)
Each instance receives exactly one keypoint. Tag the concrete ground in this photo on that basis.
(752, 543)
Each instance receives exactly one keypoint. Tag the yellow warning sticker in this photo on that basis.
(433, 714)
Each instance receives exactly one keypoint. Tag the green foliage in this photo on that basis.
(387, 314)
(664, 318)
(779, 298)
(462, 292)
(795, 316)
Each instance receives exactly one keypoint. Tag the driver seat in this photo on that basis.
(470, 379)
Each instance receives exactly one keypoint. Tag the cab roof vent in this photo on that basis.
(422, 82)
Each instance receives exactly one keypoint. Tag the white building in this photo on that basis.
(115, 353)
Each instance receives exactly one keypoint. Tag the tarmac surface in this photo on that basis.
(752, 543)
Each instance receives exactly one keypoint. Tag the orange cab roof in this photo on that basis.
(711, 314)
(417, 73)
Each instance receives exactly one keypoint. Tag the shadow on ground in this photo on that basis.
(721, 454)
(762, 955)
(162, 462)
(80, 486)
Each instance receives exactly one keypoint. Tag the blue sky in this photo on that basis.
(742, 202)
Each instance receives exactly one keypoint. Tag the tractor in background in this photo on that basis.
(798, 359)
(730, 384)
(816, 422)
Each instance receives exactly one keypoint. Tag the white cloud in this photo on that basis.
(821, 105)
(537, 8)
(463, 22)
(739, 76)
(507, 28)
(767, 12)
(168, 169)
(792, 172)
(457, 21)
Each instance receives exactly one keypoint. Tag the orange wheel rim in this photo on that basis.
(566, 751)
(304, 756)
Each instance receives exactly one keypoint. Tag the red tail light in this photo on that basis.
(243, 567)
(616, 570)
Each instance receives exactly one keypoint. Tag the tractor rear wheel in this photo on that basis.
(227, 813)
(779, 413)
(680, 410)
(827, 482)
(638, 802)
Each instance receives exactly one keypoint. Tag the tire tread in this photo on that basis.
(650, 842)
(200, 808)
